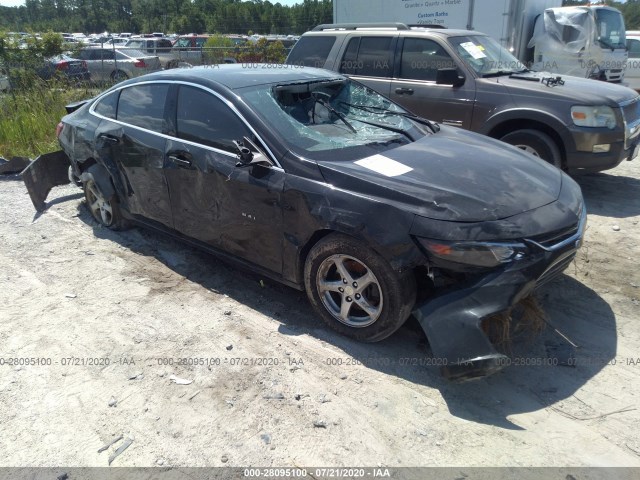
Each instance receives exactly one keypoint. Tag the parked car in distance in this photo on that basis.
(115, 65)
(189, 49)
(317, 181)
(466, 79)
(64, 66)
(632, 68)
(117, 41)
(160, 47)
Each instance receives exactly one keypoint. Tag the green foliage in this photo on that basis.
(179, 16)
(28, 117)
(262, 51)
(217, 48)
(51, 44)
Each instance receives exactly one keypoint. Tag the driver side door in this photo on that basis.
(234, 209)
(414, 85)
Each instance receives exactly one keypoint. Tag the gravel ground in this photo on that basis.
(269, 385)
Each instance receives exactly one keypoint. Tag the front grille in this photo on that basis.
(556, 268)
(550, 239)
(631, 114)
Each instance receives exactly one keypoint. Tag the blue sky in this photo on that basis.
(13, 3)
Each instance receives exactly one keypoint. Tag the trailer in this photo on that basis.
(585, 41)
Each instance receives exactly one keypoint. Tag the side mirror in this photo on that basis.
(449, 76)
(249, 154)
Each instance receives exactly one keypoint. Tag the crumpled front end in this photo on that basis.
(452, 318)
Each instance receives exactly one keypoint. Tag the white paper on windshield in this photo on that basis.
(384, 165)
(473, 49)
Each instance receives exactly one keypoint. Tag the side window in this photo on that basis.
(164, 45)
(143, 106)
(312, 51)
(108, 54)
(108, 106)
(634, 48)
(205, 119)
(421, 59)
(89, 54)
(349, 64)
(369, 57)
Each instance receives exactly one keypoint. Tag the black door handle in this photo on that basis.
(109, 138)
(179, 160)
(404, 91)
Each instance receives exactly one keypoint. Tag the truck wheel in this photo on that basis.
(537, 143)
(105, 211)
(355, 290)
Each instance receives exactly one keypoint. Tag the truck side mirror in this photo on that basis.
(449, 76)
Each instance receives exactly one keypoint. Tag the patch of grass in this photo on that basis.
(29, 115)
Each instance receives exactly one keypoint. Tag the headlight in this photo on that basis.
(480, 254)
(601, 116)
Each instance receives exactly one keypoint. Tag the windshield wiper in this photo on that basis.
(388, 127)
(326, 105)
(502, 73)
(607, 43)
(385, 111)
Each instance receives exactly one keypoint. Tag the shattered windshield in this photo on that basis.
(610, 27)
(485, 56)
(319, 117)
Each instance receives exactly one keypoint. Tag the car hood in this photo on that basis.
(452, 175)
(575, 89)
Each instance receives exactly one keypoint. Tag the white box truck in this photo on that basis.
(585, 41)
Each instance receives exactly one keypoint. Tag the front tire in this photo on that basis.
(537, 143)
(355, 290)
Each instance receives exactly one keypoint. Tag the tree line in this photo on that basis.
(195, 16)
(169, 16)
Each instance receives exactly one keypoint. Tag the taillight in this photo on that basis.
(140, 64)
(62, 66)
(59, 129)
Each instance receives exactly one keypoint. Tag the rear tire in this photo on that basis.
(105, 211)
(355, 290)
(537, 143)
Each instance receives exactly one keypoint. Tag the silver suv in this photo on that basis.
(467, 79)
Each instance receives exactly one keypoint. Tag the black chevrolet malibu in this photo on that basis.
(320, 183)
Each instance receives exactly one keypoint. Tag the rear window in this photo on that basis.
(311, 51)
(107, 107)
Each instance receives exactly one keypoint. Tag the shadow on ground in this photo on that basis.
(610, 195)
(530, 384)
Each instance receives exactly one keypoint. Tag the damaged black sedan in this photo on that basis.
(321, 183)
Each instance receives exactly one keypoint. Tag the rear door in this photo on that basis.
(235, 209)
(369, 59)
(94, 62)
(414, 84)
(136, 144)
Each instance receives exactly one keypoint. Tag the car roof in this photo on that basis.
(235, 76)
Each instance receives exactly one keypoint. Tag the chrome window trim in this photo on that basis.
(276, 165)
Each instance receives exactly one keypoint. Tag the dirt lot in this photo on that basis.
(279, 389)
